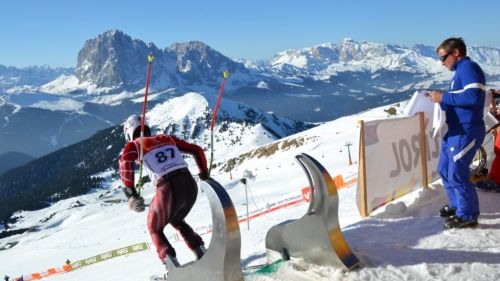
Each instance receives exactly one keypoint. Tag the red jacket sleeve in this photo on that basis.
(129, 155)
(195, 150)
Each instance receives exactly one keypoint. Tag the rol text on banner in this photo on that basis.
(392, 164)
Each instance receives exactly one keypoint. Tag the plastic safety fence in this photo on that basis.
(111, 254)
(85, 262)
(39, 275)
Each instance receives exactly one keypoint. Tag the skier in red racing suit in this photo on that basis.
(176, 190)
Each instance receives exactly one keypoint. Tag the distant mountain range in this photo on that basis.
(43, 109)
(24, 79)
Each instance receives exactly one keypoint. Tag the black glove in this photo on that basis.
(145, 179)
(136, 203)
(204, 175)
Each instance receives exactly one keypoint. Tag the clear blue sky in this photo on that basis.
(36, 32)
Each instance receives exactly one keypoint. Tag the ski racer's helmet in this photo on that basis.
(132, 128)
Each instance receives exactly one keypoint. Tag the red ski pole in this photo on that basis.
(214, 118)
(144, 107)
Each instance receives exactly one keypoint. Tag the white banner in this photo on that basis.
(392, 159)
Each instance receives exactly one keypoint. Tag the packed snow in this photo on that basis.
(403, 241)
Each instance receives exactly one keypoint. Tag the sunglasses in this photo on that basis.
(443, 58)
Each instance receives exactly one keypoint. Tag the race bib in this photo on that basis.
(163, 160)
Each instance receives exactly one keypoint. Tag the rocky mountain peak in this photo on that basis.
(198, 62)
(113, 59)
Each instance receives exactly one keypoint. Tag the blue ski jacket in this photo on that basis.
(464, 102)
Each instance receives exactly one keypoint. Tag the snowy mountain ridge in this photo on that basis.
(330, 58)
(72, 114)
(239, 127)
(359, 75)
(318, 58)
(29, 77)
(113, 62)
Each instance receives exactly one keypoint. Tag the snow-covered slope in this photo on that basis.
(405, 241)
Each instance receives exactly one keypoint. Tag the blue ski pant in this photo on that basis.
(457, 153)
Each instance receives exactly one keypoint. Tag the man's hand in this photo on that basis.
(436, 96)
(142, 181)
(136, 203)
(204, 176)
(145, 179)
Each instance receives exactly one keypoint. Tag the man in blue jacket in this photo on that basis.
(464, 105)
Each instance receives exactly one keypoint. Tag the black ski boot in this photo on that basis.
(456, 222)
(199, 252)
(446, 212)
(170, 263)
